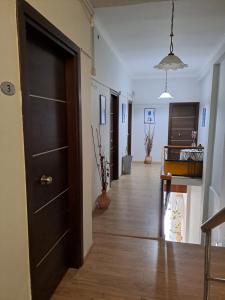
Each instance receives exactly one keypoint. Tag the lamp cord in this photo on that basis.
(171, 33)
(166, 82)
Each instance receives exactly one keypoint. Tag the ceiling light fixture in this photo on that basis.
(171, 61)
(165, 94)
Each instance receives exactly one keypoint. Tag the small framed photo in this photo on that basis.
(102, 102)
(149, 115)
(203, 116)
(123, 112)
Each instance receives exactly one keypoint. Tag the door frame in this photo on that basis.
(129, 139)
(26, 14)
(116, 130)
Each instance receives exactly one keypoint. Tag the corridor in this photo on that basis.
(134, 208)
(85, 86)
(125, 263)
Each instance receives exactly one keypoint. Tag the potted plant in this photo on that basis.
(103, 166)
(149, 136)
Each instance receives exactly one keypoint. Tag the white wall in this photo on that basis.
(147, 92)
(217, 185)
(194, 215)
(218, 157)
(205, 85)
(98, 89)
(139, 128)
(110, 69)
(212, 96)
(182, 89)
(14, 253)
(110, 74)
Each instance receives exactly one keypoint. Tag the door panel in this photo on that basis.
(48, 57)
(176, 134)
(49, 214)
(50, 78)
(183, 119)
(54, 164)
(49, 224)
(50, 272)
(48, 124)
(50, 101)
(183, 123)
(114, 128)
(184, 109)
(129, 133)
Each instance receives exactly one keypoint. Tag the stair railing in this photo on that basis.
(207, 227)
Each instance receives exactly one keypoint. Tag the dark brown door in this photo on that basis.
(114, 143)
(49, 70)
(183, 119)
(129, 133)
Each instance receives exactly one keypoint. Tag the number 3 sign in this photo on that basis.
(8, 88)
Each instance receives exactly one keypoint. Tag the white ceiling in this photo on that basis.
(140, 33)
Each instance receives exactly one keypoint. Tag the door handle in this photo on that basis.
(46, 180)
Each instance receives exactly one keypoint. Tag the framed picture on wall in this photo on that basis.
(123, 112)
(149, 115)
(102, 110)
(203, 116)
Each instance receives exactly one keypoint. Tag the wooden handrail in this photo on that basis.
(167, 176)
(183, 147)
(215, 221)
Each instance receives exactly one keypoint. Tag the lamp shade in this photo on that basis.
(165, 95)
(171, 62)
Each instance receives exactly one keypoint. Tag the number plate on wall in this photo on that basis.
(8, 88)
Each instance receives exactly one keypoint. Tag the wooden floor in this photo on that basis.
(131, 268)
(134, 209)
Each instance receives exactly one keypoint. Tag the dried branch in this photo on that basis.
(95, 154)
(149, 140)
(103, 164)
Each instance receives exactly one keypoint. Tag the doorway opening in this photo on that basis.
(129, 131)
(50, 79)
(114, 136)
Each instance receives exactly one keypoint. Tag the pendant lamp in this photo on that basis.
(166, 94)
(171, 61)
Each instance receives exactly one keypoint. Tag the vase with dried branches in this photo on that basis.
(103, 166)
(149, 136)
(194, 137)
